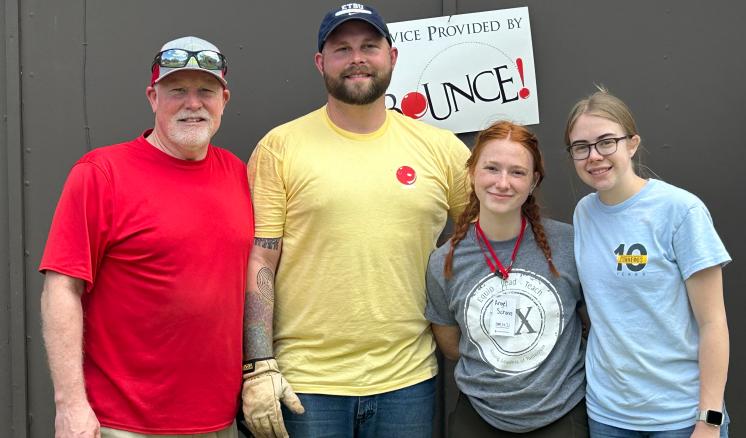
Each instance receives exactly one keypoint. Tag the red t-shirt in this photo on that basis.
(163, 245)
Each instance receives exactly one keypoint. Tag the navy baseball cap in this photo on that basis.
(351, 11)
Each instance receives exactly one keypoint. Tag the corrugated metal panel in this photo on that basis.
(53, 132)
(16, 298)
(5, 349)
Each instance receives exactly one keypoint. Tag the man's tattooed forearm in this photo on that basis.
(265, 284)
(257, 331)
(267, 243)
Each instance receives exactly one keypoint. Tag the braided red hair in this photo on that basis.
(500, 131)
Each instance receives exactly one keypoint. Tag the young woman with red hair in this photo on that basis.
(503, 299)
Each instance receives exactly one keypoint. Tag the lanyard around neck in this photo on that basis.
(496, 265)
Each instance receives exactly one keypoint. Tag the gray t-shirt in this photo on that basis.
(534, 375)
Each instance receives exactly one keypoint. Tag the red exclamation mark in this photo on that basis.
(524, 91)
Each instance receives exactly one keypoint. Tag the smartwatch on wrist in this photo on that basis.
(713, 418)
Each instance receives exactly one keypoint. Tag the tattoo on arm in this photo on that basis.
(258, 316)
(265, 282)
(273, 243)
(260, 301)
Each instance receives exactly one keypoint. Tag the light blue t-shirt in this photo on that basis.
(633, 259)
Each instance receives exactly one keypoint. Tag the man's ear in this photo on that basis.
(394, 56)
(318, 60)
(152, 95)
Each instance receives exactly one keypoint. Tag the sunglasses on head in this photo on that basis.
(178, 58)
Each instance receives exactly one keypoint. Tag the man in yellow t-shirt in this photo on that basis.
(349, 201)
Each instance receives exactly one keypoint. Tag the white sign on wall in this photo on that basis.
(464, 72)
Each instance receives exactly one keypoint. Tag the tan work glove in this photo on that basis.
(263, 388)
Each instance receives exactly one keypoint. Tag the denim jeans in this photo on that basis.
(404, 413)
(600, 430)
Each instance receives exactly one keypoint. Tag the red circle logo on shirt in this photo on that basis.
(406, 175)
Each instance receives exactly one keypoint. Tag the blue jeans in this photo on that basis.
(600, 430)
(404, 413)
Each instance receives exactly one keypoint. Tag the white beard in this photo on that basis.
(191, 136)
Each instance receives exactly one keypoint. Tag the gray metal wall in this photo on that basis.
(13, 351)
(74, 75)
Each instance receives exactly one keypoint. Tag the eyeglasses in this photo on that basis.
(177, 58)
(604, 147)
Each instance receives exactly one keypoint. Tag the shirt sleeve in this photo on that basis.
(696, 243)
(458, 182)
(81, 225)
(437, 309)
(268, 191)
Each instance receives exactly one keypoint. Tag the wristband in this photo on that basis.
(250, 365)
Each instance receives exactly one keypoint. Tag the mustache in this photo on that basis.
(357, 70)
(185, 114)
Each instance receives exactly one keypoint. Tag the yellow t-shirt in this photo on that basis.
(358, 215)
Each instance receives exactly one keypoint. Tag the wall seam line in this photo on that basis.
(16, 213)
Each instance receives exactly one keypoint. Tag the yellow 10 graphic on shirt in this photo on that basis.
(635, 258)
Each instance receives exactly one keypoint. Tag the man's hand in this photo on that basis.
(263, 389)
(76, 421)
